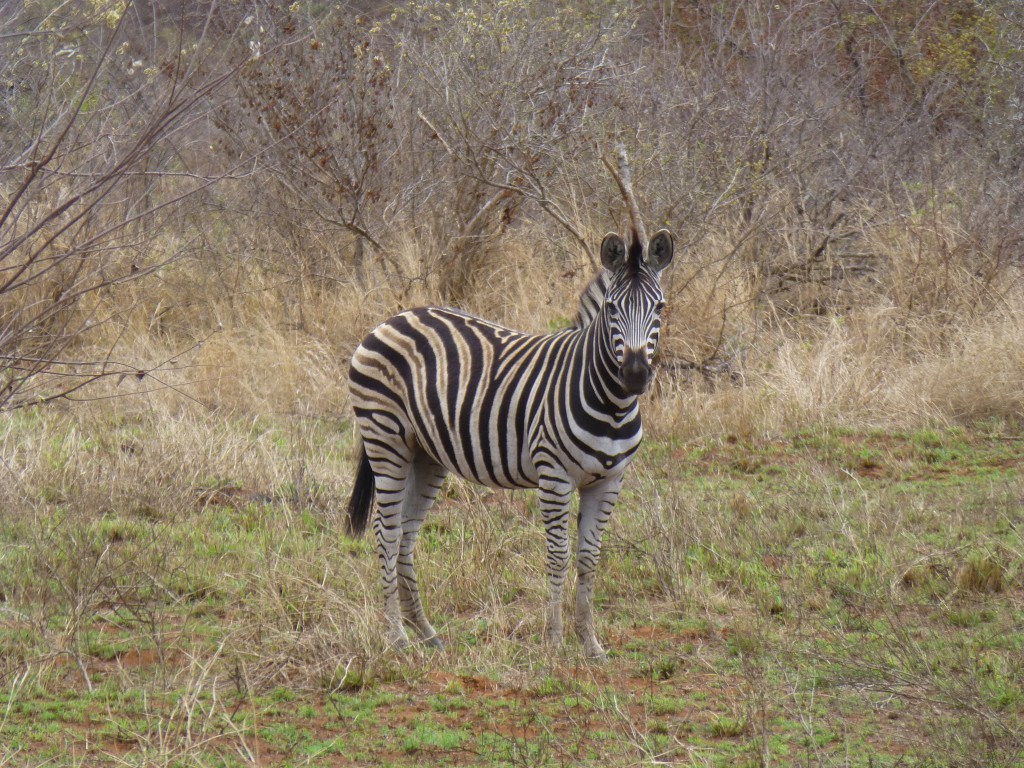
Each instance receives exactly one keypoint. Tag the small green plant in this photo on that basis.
(660, 669)
(727, 727)
(426, 736)
(668, 705)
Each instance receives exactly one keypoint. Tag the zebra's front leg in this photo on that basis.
(554, 505)
(596, 503)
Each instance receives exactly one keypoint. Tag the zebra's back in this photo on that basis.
(467, 391)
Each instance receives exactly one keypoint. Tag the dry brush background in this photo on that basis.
(205, 206)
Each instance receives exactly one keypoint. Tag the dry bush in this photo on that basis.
(445, 126)
(263, 369)
(977, 377)
(876, 366)
(430, 154)
(711, 316)
(528, 288)
(96, 131)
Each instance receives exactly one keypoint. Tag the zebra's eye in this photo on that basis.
(659, 307)
(611, 308)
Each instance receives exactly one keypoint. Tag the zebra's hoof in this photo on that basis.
(594, 652)
(435, 642)
(398, 640)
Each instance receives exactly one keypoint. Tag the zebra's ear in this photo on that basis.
(613, 252)
(660, 250)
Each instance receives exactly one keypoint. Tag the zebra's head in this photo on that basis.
(633, 304)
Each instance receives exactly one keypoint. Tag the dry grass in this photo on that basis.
(191, 519)
(903, 354)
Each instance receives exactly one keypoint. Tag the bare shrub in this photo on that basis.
(96, 136)
(814, 149)
(439, 123)
(319, 109)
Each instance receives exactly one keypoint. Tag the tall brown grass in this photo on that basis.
(907, 351)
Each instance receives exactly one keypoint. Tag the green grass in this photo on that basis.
(830, 597)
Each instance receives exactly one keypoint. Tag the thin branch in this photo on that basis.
(624, 179)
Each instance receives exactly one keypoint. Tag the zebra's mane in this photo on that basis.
(591, 299)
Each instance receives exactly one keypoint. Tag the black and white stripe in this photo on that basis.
(437, 391)
(592, 299)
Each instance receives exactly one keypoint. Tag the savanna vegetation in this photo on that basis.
(204, 207)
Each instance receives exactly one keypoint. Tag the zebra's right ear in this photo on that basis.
(660, 250)
(613, 252)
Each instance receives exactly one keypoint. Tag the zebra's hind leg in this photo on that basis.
(422, 487)
(555, 495)
(596, 503)
(392, 470)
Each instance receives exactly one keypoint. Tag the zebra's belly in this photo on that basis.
(581, 471)
(502, 460)
(587, 468)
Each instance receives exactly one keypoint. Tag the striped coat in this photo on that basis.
(437, 391)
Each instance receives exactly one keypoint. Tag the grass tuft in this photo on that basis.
(981, 572)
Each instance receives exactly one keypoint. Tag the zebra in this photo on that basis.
(438, 391)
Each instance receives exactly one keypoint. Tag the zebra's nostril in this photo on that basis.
(635, 382)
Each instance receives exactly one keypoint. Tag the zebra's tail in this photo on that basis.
(360, 504)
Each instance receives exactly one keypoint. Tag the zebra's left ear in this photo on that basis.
(660, 250)
(613, 252)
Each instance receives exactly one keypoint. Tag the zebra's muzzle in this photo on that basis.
(636, 373)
